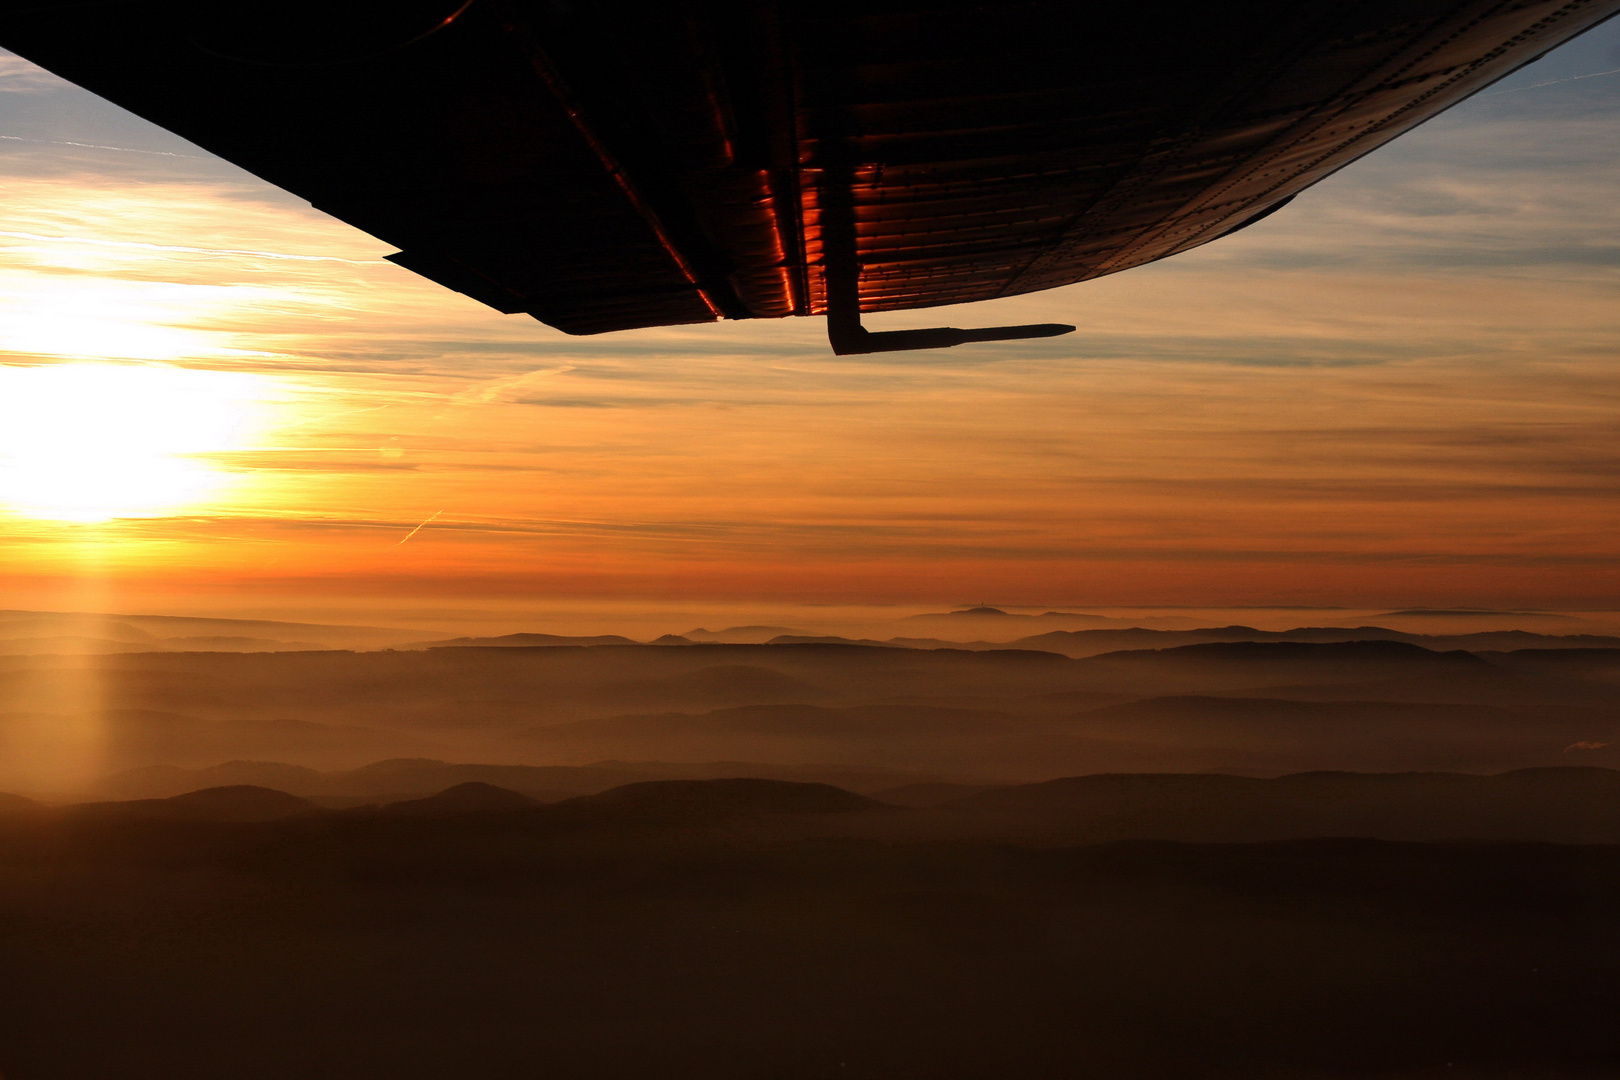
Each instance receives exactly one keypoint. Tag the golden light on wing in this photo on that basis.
(94, 441)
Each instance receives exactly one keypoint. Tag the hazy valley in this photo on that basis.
(1273, 703)
(1225, 853)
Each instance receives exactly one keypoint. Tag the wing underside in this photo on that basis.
(632, 163)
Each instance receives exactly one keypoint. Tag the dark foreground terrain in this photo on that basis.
(770, 929)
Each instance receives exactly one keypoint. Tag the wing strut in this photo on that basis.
(841, 271)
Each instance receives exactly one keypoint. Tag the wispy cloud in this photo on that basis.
(510, 388)
(96, 146)
(18, 76)
(1550, 82)
(97, 241)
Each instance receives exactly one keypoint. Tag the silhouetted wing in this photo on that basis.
(629, 163)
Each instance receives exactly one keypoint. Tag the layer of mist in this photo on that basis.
(1137, 851)
(70, 724)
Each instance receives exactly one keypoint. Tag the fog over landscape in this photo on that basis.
(1227, 699)
(1217, 851)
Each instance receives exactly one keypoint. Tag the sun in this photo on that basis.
(90, 442)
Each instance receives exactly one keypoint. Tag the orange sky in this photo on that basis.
(1402, 390)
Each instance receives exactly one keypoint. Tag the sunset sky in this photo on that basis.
(1402, 390)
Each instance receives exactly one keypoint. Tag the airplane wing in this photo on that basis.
(610, 164)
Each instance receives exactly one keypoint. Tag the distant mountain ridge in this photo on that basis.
(408, 777)
(651, 802)
(667, 800)
(17, 804)
(1556, 805)
(232, 803)
(984, 612)
(739, 635)
(520, 641)
(955, 714)
(1093, 642)
(470, 797)
(159, 630)
(1085, 643)
(1071, 632)
(136, 738)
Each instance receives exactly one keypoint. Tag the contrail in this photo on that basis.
(420, 527)
(99, 146)
(1552, 82)
(490, 391)
(96, 242)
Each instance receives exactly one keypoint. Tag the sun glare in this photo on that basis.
(92, 442)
